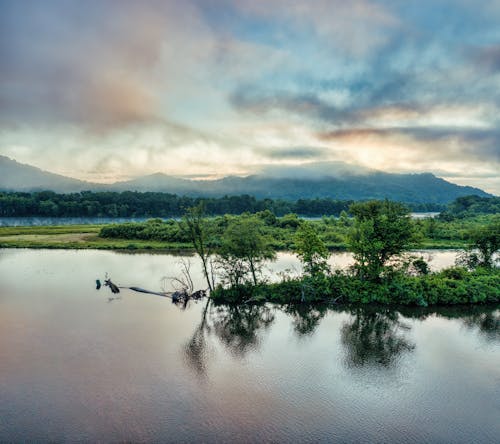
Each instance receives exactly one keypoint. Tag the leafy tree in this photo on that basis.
(484, 245)
(244, 248)
(311, 250)
(382, 231)
(344, 219)
(196, 228)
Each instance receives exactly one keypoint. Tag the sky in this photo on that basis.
(106, 90)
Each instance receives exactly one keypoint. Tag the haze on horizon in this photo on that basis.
(106, 90)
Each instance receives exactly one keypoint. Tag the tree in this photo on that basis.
(311, 250)
(244, 248)
(484, 244)
(382, 231)
(197, 229)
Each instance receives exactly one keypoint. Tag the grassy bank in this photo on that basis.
(164, 235)
(76, 237)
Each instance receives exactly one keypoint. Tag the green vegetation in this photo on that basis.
(332, 231)
(484, 243)
(467, 206)
(311, 250)
(432, 233)
(78, 237)
(195, 228)
(233, 249)
(150, 204)
(382, 231)
(244, 248)
(451, 286)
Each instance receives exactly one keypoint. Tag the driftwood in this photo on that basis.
(114, 288)
(176, 296)
(142, 290)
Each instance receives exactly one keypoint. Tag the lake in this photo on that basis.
(77, 365)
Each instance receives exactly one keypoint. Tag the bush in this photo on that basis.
(449, 287)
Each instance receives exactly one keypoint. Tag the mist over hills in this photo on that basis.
(334, 180)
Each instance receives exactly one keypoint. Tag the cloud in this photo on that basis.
(105, 88)
(487, 57)
(436, 143)
(81, 66)
(293, 153)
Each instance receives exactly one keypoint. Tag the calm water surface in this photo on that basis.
(76, 366)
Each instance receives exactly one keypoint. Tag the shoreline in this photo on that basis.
(68, 238)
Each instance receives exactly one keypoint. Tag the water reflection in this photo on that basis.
(483, 319)
(196, 349)
(306, 318)
(486, 323)
(374, 337)
(238, 328)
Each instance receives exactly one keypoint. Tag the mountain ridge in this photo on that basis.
(346, 182)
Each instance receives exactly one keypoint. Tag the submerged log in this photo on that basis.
(142, 290)
(176, 296)
(114, 288)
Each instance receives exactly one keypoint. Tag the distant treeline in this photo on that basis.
(470, 206)
(150, 204)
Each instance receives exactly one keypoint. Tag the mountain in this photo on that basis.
(15, 176)
(335, 180)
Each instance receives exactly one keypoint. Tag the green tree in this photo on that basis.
(195, 226)
(382, 230)
(311, 250)
(244, 248)
(484, 245)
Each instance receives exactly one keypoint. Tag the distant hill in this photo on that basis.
(15, 176)
(334, 180)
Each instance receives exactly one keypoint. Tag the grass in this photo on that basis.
(75, 237)
(50, 229)
(87, 236)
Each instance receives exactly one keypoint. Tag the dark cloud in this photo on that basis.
(487, 57)
(250, 99)
(293, 153)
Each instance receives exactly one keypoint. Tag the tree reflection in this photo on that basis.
(306, 318)
(374, 337)
(196, 349)
(487, 324)
(239, 328)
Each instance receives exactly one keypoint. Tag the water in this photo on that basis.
(41, 221)
(76, 367)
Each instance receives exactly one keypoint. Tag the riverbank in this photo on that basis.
(87, 237)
